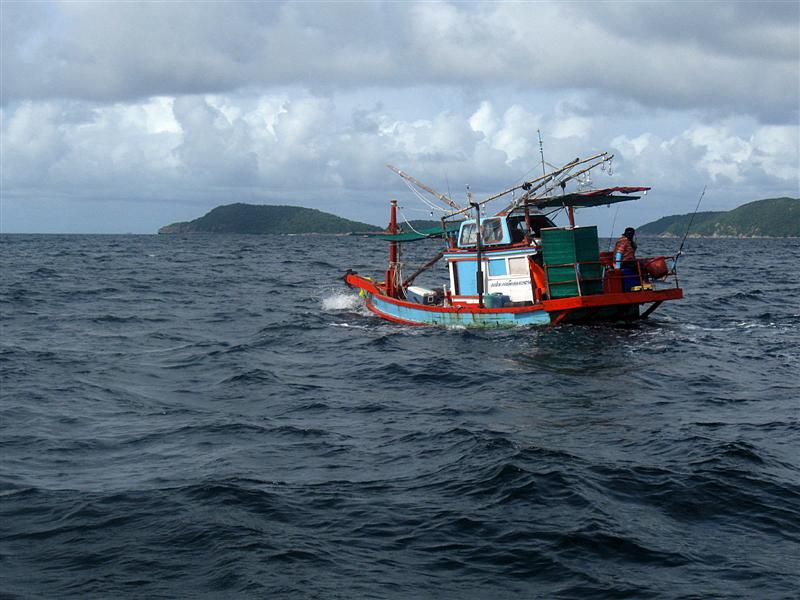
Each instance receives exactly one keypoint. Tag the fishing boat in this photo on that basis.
(516, 267)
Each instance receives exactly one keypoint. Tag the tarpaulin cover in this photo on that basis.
(590, 198)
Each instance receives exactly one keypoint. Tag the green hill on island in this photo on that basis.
(255, 219)
(773, 217)
(419, 224)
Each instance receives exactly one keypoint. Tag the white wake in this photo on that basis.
(340, 301)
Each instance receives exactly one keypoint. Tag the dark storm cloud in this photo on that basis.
(767, 30)
(737, 57)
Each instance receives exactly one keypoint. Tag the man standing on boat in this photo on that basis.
(625, 250)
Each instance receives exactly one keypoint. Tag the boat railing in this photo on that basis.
(582, 276)
(611, 279)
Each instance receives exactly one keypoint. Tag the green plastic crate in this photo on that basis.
(559, 274)
(568, 247)
(565, 246)
(564, 289)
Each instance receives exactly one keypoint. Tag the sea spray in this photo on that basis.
(340, 301)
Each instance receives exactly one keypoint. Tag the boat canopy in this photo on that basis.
(451, 227)
(590, 198)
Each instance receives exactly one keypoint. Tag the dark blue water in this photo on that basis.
(215, 417)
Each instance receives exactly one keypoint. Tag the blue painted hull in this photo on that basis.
(463, 318)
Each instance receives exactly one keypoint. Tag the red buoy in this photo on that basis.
(656, 267)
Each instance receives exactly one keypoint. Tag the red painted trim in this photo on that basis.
(612, 299)
(608, 191)
(456, 309)
(362, 283)
(391, 318)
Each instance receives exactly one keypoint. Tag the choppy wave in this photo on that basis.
(219, 416)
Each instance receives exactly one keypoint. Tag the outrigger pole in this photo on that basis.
(563, 184)
(421, 185)
(529, 185)
(541, 150)
(563, 181)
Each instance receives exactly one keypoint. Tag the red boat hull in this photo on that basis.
(594, 308)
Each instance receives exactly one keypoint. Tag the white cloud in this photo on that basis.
(776, 150)
(767, 159)
(484, 120)
(305, 103)
(573, 126)
(209, 147)
(33, 141)
(517, 134)
(724, 153)
(632, 147)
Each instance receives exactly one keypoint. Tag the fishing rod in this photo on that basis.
(689, 227)
(613, 224)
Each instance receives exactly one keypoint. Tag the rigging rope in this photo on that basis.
(410, 226)
(422, 199)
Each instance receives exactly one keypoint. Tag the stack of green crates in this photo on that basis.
(565, 250)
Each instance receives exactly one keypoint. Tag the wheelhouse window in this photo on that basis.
(519, 227)
(492, 231)
(469, 235)
(497, 267)
(518, 266)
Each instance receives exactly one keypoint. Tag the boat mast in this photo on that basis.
(479, 272)
(394, 252)
(544, 174)
(570, 210)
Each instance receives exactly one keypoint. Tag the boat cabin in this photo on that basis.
(508, 246)
(502, 230)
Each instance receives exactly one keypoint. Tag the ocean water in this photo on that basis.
(216, 416)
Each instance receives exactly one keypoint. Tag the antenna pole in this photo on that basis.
(541, 150)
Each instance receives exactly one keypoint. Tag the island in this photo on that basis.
(263, 219)
(772, 217)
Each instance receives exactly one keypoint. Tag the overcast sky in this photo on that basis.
(122, 117)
